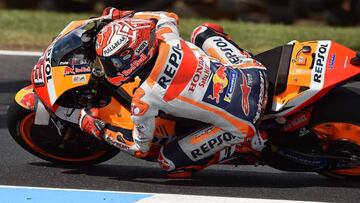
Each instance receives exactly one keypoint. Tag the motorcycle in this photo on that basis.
(312, 117)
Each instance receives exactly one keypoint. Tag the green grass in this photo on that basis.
(33, 30)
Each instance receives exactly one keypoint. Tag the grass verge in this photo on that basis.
(33, 30)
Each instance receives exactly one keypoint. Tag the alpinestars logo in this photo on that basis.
(245, 90)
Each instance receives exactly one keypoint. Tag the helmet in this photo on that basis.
(124, 46)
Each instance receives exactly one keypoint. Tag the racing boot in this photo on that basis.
(196, 151)
(252, 149)
(186, 171)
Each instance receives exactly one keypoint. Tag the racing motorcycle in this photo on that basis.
(312, 116)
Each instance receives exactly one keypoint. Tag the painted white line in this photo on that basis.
(165, 198)
(161, 197)
(28, 194)
(19, 53)
(65, 189)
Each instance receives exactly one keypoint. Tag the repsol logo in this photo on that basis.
(228, 51)
(210, 144)
(171, 67)
(320, 63)
(48, 64)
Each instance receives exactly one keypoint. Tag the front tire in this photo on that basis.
(45, 143)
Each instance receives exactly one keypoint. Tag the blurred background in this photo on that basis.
(257, 25)
(331, 12)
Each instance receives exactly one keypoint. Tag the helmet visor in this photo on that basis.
(116, 64)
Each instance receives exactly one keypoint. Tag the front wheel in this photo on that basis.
(74, 148)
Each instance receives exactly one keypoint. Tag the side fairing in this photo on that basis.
(315, 67)
(51, 76)
(51, 82)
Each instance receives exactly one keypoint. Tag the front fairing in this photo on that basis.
(56, 72)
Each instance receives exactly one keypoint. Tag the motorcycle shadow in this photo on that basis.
(208, 177)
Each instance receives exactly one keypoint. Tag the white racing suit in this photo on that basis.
(210, 80)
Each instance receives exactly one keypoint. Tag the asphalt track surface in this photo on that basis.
(124, 173)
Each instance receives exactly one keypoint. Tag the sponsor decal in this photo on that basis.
(201, 75)
(135, 64)
(64, 63)
(228, 49)
(143, 45)
(297, 121)
(301, 60)
(120, 41)
(28, 100)
(77, 70)
(303, 131)
(211, 144)
(220, 82)
(320, 62)
(171, 67)
(78, 79)
(332, 61)
(119, 145)
(232, 83)
(48, 75)
(48, 64)
(245, 92)
(68, 71)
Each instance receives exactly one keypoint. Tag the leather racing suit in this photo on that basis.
(209, 79)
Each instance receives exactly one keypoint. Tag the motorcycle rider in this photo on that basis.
(210, 79)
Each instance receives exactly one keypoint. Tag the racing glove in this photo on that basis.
(89, 124)
(114, 13)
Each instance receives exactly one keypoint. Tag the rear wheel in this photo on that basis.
(336, 122)
(75, 148)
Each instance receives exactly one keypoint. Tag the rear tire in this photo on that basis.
(47, 144)
(341, 106)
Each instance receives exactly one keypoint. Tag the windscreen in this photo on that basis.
(69, 49)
